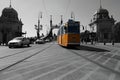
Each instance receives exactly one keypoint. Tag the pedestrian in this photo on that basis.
(113, 42)
(104, 42)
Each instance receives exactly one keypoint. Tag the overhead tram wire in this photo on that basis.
(67, 7)
(64, 12)
(69, 2)
(44, 5)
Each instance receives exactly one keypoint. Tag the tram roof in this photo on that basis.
(70, 21)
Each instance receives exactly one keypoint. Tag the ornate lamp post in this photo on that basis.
(38, 27)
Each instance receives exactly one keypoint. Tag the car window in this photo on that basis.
(24, 39)
(18, 38)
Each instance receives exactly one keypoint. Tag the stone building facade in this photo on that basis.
(102, 24)
(10, 25)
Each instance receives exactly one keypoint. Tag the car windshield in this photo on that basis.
(39, 40)
(18, 38)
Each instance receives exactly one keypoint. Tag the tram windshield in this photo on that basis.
(73, 28)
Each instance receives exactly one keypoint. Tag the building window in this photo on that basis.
(105, 35)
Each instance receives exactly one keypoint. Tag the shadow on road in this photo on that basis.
(19, 47)
(88, 48)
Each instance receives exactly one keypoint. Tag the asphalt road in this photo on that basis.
(52, 62)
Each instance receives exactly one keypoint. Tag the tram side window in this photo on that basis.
(62, 30)
(58, 32)
(65, 29)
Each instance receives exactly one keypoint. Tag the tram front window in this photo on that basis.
(73, 29)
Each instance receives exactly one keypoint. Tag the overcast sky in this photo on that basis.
(29, 10)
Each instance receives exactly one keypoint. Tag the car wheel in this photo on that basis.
(10, 46)
(21, 45)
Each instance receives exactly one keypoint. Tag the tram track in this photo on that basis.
(92, 64)
(96, 61)
(21, 60)
(18, 52)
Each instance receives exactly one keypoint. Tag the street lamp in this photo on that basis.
(82, 27)
(25, 33)
(38, 27)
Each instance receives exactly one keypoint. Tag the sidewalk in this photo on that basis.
(102, 44)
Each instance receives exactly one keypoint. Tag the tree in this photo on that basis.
(85, 36)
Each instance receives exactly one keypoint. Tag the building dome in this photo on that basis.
(101, 14)
(103, 11)
(10, 13)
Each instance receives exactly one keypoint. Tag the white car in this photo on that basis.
(19, 42)
(39, 41)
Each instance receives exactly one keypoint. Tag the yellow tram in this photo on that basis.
(69, 34)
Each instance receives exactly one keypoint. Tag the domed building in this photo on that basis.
(10, 25)
(102, 24)
(116, 32)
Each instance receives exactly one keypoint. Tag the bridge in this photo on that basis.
(49, 35)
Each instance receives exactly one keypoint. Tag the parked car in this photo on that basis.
(39, 41)
(47, 40)
(19, 42)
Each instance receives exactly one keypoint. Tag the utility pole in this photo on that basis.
(72, 15)
(38, 30)
(51, 28)
(61, 19)
(25, 33)
(51, 21)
